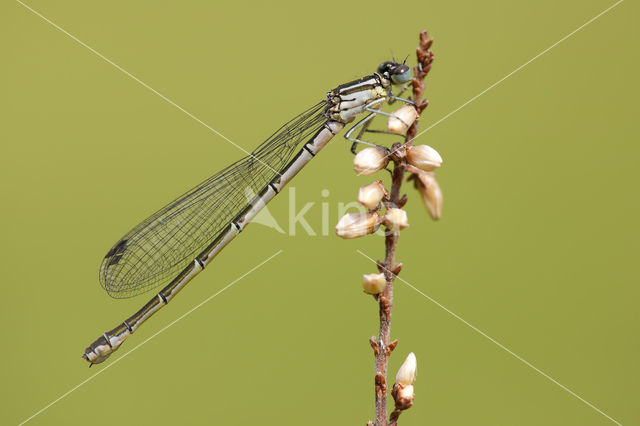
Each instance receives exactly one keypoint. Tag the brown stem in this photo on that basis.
(385, 300)
(420, 71)
(382, 348)
(393, 418)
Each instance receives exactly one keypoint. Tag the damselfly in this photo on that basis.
(173, 245)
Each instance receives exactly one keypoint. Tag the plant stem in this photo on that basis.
(389, 268)
(381, 346)
(425, 60)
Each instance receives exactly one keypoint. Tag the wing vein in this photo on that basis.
(155, 251)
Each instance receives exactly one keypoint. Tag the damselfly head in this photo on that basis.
(398, 73)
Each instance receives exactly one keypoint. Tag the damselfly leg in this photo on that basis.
(363, 125)
(393, 98)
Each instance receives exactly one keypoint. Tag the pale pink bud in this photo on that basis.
(431, 194)
(424, 157)
(370, 160)
(402, 119)
(354, 225)
(371, 195)
(408, 371)
(395, 219)
(405, 393)
(374, 283)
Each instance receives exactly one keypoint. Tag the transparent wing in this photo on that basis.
(156, 250)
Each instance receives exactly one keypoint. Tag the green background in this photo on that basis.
(538, 246)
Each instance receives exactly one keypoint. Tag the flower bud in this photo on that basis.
(408, 370)
(406, 393)
(371, 195)
(431, 194)
(354, 225)
(424, 157)
(403, 396)
(402, 119)
(374, 283)
(370, 160)
(395, 219)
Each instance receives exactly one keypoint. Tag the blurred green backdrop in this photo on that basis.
(538, 246)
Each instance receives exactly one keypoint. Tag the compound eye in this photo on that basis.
(385, 67)
(401, 74)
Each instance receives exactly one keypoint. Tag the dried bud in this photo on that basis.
(374, 283)
(370, 160)
(408, 371)
(431, 194)
(402, 119)
(354, 225)
(424, 157)
(395, 219)
(371, 195)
